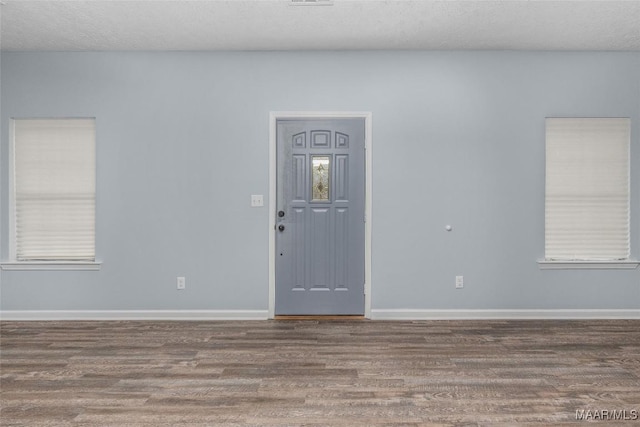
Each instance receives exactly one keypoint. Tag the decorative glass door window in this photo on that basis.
(320, 173)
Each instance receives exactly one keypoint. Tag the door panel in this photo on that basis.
(319, 248)
(320, 221)
(342, 177)
(299, 170)
(342, 248)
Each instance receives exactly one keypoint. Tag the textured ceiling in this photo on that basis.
(347, 24)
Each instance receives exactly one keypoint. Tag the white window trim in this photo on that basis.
(51, 265)
(12, 264)
(588, 265)
(12, 192)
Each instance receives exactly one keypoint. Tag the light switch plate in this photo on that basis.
(257, 200)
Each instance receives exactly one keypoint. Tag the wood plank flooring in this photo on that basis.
(318, 373)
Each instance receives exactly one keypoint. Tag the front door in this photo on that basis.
(320, 223)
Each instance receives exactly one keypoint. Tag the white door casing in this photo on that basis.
(274, 117)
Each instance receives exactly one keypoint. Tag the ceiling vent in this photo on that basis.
(311, 2)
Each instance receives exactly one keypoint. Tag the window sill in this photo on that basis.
(51, 265)
(592, 265)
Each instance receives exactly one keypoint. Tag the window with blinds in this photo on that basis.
(587, 189)
(54, 189)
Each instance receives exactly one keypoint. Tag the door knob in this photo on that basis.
(280, 214)
(281, 227)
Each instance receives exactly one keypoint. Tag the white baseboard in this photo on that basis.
(133, 315)
(408, 314)
(376, 314)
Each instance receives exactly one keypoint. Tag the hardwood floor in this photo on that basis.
(319, 373)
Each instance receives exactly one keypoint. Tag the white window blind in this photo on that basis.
(54, 189)
(587, 189)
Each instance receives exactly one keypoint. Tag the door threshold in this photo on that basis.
(331, 318)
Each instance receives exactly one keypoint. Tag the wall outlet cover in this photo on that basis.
(257, 200)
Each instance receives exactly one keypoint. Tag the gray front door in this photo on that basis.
(320, 207)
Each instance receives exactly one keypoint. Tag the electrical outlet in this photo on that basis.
(181, 283)
(459, 282)
(257, 200)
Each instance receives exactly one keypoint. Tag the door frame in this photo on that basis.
(274, 116)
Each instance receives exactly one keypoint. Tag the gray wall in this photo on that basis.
(458, 138)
